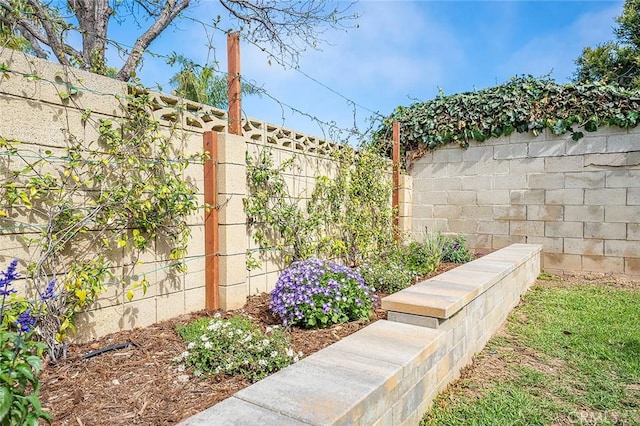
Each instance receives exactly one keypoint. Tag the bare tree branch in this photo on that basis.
(290, 27)
(169, 12)
(35, 44)
(93, 19)
(53, 42)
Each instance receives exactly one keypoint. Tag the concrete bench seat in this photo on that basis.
(443, 296)
(389, 372)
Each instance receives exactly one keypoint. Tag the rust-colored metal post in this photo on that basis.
(211, 275)
(395, 157)
(233, 80)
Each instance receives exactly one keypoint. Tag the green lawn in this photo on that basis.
(570, 354)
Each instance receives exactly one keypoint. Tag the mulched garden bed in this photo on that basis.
(141, 385)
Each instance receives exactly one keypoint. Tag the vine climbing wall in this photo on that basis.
(117, 173)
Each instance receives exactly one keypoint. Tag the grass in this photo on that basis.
(569, 355)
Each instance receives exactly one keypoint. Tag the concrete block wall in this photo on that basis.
(405, 204)
(308, 164)
(300, 181)
(35, 115)
(579, 199)
(389, 372)
(232, 220)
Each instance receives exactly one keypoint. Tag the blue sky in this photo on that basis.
(403, 51)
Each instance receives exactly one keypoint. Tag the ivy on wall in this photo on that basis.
(523, 104)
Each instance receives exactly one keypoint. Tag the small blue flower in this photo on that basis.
(311, 289)
(6, 278)
(25, 322)
(49, 291)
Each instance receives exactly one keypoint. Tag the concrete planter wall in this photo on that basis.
(389, 372)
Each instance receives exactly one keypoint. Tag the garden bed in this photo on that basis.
(141, 384)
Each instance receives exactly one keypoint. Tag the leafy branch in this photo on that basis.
(348, 215)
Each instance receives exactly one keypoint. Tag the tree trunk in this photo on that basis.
(93, 19)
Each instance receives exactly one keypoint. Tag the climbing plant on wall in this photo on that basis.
(523, 104)
(93, 206)
(355, 206)
(347, 215)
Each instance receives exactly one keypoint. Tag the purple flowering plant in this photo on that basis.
(317, 293)
(455, 250)
(20, 353)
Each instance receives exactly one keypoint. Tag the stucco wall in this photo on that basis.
(579, 199)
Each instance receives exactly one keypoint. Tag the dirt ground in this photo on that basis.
(140, 385)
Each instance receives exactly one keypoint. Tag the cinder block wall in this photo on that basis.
(34, 114)
(311, 158)
(579, 199)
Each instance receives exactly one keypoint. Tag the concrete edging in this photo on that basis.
(389, 372)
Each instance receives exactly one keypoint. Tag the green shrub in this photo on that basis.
(399, 268)
(423, 257)
(387, 273)
(455, 250)
(234, 346)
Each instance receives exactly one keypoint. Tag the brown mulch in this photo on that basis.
(141, 385)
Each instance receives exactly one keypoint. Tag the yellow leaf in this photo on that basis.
(81, 295)
(75, 177)
(121, 242)
(3, 213)
(33, 191)
(129, 295)
(66, 172)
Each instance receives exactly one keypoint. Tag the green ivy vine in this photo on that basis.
(94, 201)
(523, 104)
